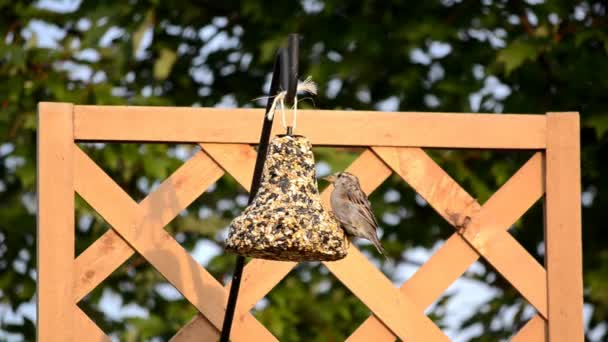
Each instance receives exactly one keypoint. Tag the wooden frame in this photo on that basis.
(394, 142)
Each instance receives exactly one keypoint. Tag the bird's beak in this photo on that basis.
(330, 178)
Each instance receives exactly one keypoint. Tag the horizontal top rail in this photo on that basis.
(322, 127)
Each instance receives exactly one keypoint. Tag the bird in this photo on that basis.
(352, 208)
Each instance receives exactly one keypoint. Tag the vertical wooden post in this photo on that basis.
(563, 229)
(55, 222)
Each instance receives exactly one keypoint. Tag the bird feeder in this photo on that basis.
(286, 220)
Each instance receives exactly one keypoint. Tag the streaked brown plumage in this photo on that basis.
(352, 208)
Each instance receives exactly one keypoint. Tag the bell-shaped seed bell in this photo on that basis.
(285, 220)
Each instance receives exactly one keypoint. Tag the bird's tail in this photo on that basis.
(378, 245)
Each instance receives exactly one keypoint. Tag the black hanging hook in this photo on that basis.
(293, 53)
(289, 71)
(284, 77)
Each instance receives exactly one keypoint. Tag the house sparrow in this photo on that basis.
(352, 208)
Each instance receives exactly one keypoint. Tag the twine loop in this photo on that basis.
(307, 86)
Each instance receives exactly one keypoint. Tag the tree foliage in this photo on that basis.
(454, 56)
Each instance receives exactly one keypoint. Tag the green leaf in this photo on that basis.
(514, 55)
(149, 327)
(599, 122)
(164, 63)
(146, 24)
(32, 42)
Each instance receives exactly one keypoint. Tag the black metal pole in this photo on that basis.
(281, 74)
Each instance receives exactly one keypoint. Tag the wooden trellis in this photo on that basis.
(393, 141)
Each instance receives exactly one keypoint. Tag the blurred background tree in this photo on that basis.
(498, 56)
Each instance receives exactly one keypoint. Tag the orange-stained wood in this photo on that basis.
(85, 329)
(159, 248)
(430, 181)
(395, 309)
(198, 329)
(237, 160)
(260, 276)
(455, 256)
(98, 261)
(489, 240)
(55, 223)
(322, 127)
(520, 269)
(563, 229)
(534, 331)
(173, 195)
(431, 280)
(225, 135)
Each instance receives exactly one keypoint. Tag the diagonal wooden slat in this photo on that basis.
(395, 309)
(237, 160)
(158, 247)
(197, 329)
(518, 267)
(175, 194)
(85, 329)
(498, 247)
(429, 282)
(260, 276)
(534, 330)
(98, 261)
(452, 259)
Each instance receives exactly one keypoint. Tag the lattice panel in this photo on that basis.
(480, 231)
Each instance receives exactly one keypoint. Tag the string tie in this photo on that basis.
(308, 86)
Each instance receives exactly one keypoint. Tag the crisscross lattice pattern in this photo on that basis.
(480, 231)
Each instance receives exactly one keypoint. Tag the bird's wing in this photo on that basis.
(357, 197)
